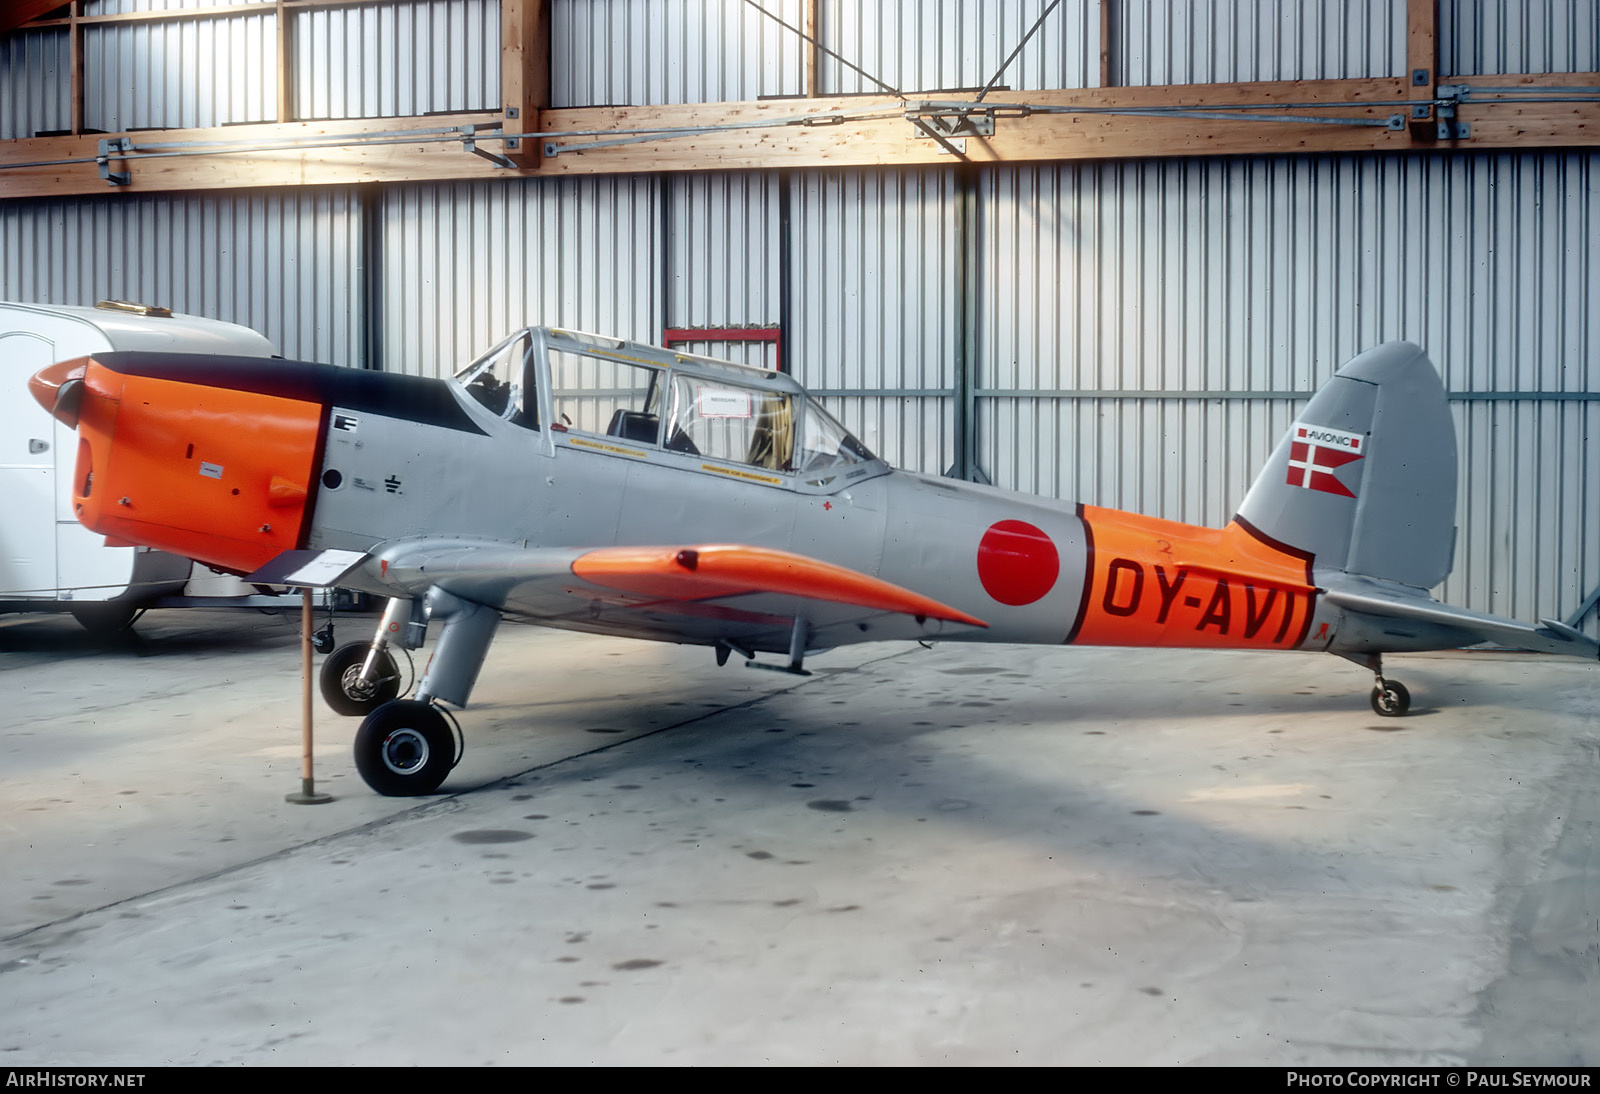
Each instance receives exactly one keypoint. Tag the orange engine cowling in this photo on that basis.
(211, 473)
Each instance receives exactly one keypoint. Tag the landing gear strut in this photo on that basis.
(360, 677)
(346, 686)
(406, 747)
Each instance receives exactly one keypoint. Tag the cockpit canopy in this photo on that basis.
(541, 378)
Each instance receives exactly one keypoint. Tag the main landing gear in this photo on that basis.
(407, 747)
(351, 686)
(360, 677)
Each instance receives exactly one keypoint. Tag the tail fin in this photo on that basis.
(1365, 480)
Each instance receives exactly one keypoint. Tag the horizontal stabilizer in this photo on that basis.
(1549, 637)
(1571, 634)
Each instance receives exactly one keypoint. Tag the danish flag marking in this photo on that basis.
(1316, 451)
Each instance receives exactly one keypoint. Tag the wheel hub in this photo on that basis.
(404, 751)
(355, 687)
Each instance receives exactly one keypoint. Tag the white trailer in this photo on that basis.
(48, 561)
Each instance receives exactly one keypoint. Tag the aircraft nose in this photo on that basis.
(59, 389)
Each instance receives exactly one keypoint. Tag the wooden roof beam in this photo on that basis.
(1422, 63)
(13, 15)
(855, 131)
(524, 75)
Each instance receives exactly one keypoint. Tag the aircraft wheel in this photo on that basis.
(1392, 700)
(405, 748)
(343, 687)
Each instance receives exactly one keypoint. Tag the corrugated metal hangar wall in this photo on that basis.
(1135, 334)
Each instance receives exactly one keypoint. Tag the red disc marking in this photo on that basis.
(1017, 563)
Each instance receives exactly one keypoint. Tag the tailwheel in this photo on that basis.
(1390, 698)
(344, 689)
(405, 748)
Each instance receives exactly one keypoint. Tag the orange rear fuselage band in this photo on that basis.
(209, 473)
(710, 573)
(1157, 582)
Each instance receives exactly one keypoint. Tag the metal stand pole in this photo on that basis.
(308, 794)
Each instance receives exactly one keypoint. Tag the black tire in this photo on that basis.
(341, 683)
(405, 748)
(106, 618)
(1392, 700)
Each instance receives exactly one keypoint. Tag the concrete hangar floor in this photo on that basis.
(950, 856)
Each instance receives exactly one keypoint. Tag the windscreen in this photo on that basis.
(825, 444)
(502, 381)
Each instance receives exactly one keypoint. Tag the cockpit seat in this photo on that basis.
(491, 392)
(634, 425)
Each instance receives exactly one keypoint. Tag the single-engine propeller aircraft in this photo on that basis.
(598, 485)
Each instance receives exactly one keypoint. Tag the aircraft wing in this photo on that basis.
(748, 596)
(1382, 602)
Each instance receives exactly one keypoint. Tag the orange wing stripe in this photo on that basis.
(714, 572)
